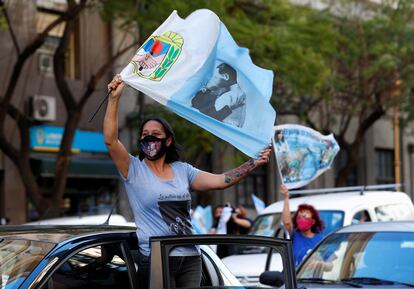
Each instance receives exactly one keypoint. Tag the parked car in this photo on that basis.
(341, 209)
(54, 257)
(337, 209)
(362, 256)
(115, 219)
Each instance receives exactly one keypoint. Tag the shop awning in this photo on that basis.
(80, 167)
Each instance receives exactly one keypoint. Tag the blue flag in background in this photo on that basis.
(259, 205)
(195, 68)
(202, 219)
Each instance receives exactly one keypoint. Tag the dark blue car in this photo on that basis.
(57, 257)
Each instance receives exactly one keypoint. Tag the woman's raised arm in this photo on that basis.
(208, 181)
(116, 149)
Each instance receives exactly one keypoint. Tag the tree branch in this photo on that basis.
(368, 122)
(11, 30)
(59, 68)
(94, 79)
(26, 53)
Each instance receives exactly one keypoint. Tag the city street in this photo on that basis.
(210, 143)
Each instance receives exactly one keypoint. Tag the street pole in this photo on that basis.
(397, 161)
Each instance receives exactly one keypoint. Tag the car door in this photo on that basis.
(99, 263)
(279, 249)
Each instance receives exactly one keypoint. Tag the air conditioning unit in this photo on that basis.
(43, 108)
(46, 63)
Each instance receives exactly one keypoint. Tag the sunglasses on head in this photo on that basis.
(305, 215)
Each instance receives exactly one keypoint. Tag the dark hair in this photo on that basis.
(279, 132)
(172, 153)
(318, 226)
(225, 68)
(216, 220)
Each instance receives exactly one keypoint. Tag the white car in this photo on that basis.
(336, 209)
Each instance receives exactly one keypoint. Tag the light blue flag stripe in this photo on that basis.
(259, 205)
(250, 117)
(252, 76)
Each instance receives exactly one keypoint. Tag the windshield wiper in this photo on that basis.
(375, 281)
(351, 283)
(326, 281)
(316, 280)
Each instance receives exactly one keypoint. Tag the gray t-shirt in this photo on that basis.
(161, 207)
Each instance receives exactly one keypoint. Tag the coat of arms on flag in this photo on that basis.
(194, 67)
(156, 56)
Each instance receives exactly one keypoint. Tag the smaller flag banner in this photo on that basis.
(302, 154)
(202, 219)
(224, 218)
(258, 204)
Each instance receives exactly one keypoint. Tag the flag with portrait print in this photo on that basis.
(302, 154)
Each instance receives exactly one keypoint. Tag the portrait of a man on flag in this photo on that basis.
(222, 98)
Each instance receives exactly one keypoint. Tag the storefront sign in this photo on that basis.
(48, 138)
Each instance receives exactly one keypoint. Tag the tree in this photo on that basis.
(19, 153)
(372, 51)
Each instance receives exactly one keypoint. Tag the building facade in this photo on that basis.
(92, 179)
(93, 185)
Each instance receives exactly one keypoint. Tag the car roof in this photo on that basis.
(341, 201)
(115, 219)
(395, 226)
(58, 233)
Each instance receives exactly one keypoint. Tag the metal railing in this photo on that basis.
(360, 189)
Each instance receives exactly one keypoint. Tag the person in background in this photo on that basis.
(305, 228)
(216, 217)
(241, 221)
(4, 221)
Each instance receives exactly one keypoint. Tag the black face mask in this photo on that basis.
(153, 147)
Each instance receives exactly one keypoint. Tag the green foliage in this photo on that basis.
(343, 64)
(292, 41)
(3, 22)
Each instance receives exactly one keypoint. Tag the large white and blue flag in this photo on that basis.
(195, 68)
(302, 154)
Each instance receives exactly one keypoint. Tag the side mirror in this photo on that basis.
(272, 278)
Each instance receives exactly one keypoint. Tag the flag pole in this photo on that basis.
(100, 105)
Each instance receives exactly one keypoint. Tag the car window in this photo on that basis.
(361, 217)
(100, 266)
(332, 220)
(210, 275)
(394, 212)
(221, 263)
(18, 258)
(266, 225)
(384, 255)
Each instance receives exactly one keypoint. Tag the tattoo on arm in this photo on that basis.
(236, 174)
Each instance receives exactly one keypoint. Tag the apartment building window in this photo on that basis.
(385, 166)
(46, 52)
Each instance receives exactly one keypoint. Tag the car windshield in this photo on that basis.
(266, 225)
(362, 258)
(18, 258)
